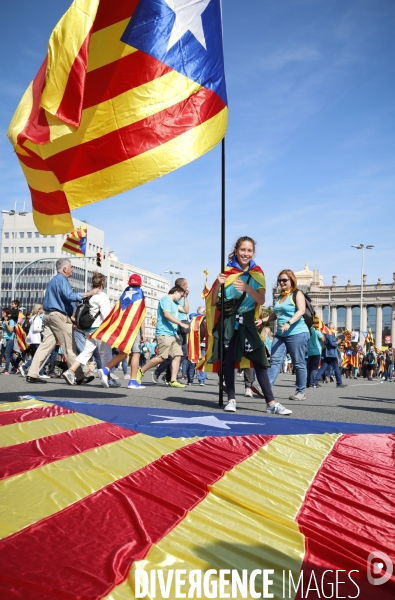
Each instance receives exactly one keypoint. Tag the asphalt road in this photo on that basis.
(361, 402)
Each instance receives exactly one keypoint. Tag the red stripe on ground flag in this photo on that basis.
(85, 550)
(120, 76)
(349, 513)
(37, 453)
(110, 12)
(135, 139)
(32, 414)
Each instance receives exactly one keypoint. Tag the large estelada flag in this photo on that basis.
(122, 325)
(75, 242)
(86, 502)
(129, 91)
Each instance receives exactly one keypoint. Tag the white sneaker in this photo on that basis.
(298, 396)
(278, 409)
(231, 406)
(69, 377)
(248, 393)
(114, 376)
(44, 377)
(22, 371)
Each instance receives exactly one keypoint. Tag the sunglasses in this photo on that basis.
(282, 280)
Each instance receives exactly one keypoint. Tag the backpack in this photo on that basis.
(370, 357)
(26, 326)
(309, 312)
(390, 357)
(83, 318)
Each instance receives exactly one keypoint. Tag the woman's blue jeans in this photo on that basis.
(9, 348)
(295, 346)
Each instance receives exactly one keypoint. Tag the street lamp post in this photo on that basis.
(13, 213)
(173, 273)
(361, 247)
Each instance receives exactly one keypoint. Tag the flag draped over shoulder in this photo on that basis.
(369, 338)
(76, 241)
(129, 91)
(121, 327)
(232, 273)
(86, 502)
(320, 326)
(195, 339)
(21, 338)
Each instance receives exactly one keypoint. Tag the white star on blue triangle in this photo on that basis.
(186, 35)
(210, 421)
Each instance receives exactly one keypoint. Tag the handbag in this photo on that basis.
(232, 306)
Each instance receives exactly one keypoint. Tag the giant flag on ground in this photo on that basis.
(130, 90)
(86, 502)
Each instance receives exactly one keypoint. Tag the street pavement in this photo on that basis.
(361, 401)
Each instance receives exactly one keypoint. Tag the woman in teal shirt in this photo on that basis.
(292, 332)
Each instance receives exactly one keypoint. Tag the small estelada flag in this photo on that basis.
(21, 338)
(76, 241)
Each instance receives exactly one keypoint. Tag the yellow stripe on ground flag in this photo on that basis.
(37, 494)
(247, 521)
(18, 433)
(23, 404)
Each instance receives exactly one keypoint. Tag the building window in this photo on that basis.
(371, 313)
(29, 250)
(341, 318)
(44, 248)
(52, 236)
(5, 250)
(29, 234)
(7, 235)
(36, 249)
(355, 312)
(52, 249)
(21, 234)
(387, 326)
(21, 250)
(36, 234)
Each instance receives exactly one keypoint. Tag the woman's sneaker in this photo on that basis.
(133, 385)
(103, 376)
(69, 377)
(278, 409)
(298, 396)
(231, 406)
(176, 384)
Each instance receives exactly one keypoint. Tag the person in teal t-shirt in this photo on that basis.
(168, 339)
(314, 350)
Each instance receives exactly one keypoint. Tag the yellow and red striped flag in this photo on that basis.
(76, 241)
(369, 338)
(21, 337)
(320, 326)
(206, 289)
(87, 502)
(195, 339)
(130, 90)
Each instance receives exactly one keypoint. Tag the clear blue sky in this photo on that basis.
(310, 144)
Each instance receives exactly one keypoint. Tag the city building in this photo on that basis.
(21, 244)
(341, 304)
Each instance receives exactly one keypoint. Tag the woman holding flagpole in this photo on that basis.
(244, 285)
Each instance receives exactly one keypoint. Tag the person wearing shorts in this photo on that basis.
(168, 338)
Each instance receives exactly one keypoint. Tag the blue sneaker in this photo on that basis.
(134, 385)
(113, 383)
(103, 376)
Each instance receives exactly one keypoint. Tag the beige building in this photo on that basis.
(341, 304)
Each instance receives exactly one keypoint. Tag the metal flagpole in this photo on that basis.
(221, 331)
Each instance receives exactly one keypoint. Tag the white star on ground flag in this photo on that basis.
(188, 18)
(210, 421)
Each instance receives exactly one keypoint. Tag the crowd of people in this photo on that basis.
(59, 340)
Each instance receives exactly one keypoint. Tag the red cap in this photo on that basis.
(135, 280)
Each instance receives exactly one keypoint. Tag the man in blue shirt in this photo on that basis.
(59, 307)
(167, 334)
